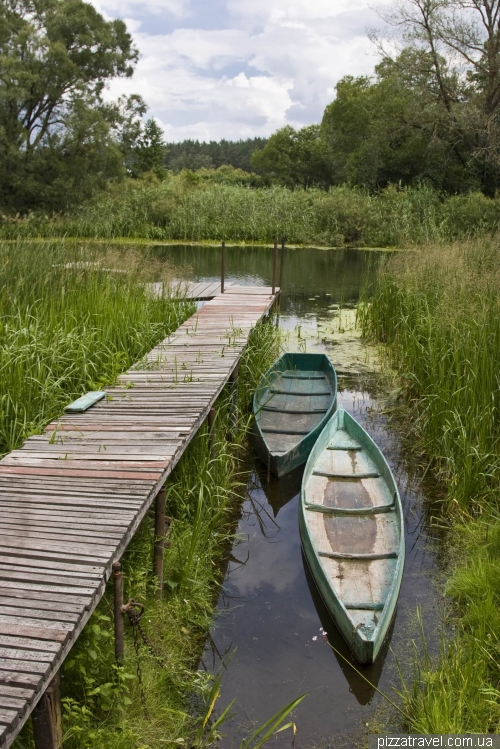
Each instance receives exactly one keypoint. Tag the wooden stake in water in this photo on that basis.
(275, 252)
(159, 540)
(47, 731)
(211, 432)
(282, 262)
(222, 267)
(233, 418)
(118, 605)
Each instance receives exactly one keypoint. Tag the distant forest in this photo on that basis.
(191, 154)
(429, 115)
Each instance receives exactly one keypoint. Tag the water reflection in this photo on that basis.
(278, 492)
(269, 610)
(372, 672)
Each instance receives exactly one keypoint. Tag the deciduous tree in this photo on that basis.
(56, 139)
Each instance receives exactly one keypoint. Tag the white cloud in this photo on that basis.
(258, 66)
(120, 8)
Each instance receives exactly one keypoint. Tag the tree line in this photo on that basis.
(428, 115)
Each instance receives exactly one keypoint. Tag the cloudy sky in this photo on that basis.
(212, 69)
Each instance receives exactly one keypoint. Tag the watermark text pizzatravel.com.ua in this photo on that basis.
(437, 740)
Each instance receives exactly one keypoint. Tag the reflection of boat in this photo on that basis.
(279, 492)
(352, 533)
(371, 671)
(292, 404)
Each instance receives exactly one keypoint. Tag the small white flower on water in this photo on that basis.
(315, 637)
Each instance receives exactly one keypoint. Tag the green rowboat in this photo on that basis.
(351, 526)
(292, 404)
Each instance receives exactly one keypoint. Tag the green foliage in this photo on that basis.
(147, 152)
(437, 309)
(193, 155)
(457, 692)
(218, 204)
(72, 320)
(390, 129)
(294, 158)
(55, 132)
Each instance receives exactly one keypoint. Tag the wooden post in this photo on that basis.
(222, 267)
(211, 432)
(159, 539)
(282, 262)
(233, 417)
(275, 252)
(118, 605)
(47, 731)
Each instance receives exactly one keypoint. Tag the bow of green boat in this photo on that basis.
(292, 404)
(351, 525)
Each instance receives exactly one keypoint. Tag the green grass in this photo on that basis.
(104, 705)
(70, 325)
(187, 207)
(437, 310)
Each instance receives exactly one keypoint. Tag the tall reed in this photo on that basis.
(184, 208)
(438, 311)
(74, 315)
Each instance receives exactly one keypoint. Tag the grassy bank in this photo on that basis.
(437, 309)
(72, 320)
(189, 207)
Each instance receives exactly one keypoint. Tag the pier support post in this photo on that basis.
(211, 431)
(118, 613)
(282, 263)
(233, 416)
(159, 539)
(275, 252)
(222, 267)
(47, 731)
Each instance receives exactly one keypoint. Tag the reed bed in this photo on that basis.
(73, 317)
(186, 207)
(437, 310)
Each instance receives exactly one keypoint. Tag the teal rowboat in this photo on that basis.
(292, 404)
(351, 526)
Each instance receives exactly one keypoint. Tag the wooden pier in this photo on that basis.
(72, 498)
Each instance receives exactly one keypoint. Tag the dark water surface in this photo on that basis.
(269, 611)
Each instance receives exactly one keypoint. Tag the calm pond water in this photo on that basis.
(268, 610)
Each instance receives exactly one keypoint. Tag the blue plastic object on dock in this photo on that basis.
(86, 401)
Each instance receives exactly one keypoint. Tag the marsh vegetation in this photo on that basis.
(437, 310)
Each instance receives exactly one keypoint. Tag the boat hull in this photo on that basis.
(303, 389)
(352, 533)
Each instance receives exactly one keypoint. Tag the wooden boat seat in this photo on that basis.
(343, 441)
(271, 430)
(294, 410)
(356, 557)
(278, 391)
(365, 606)
(350, 510)
(328, 475)
(303, 375)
